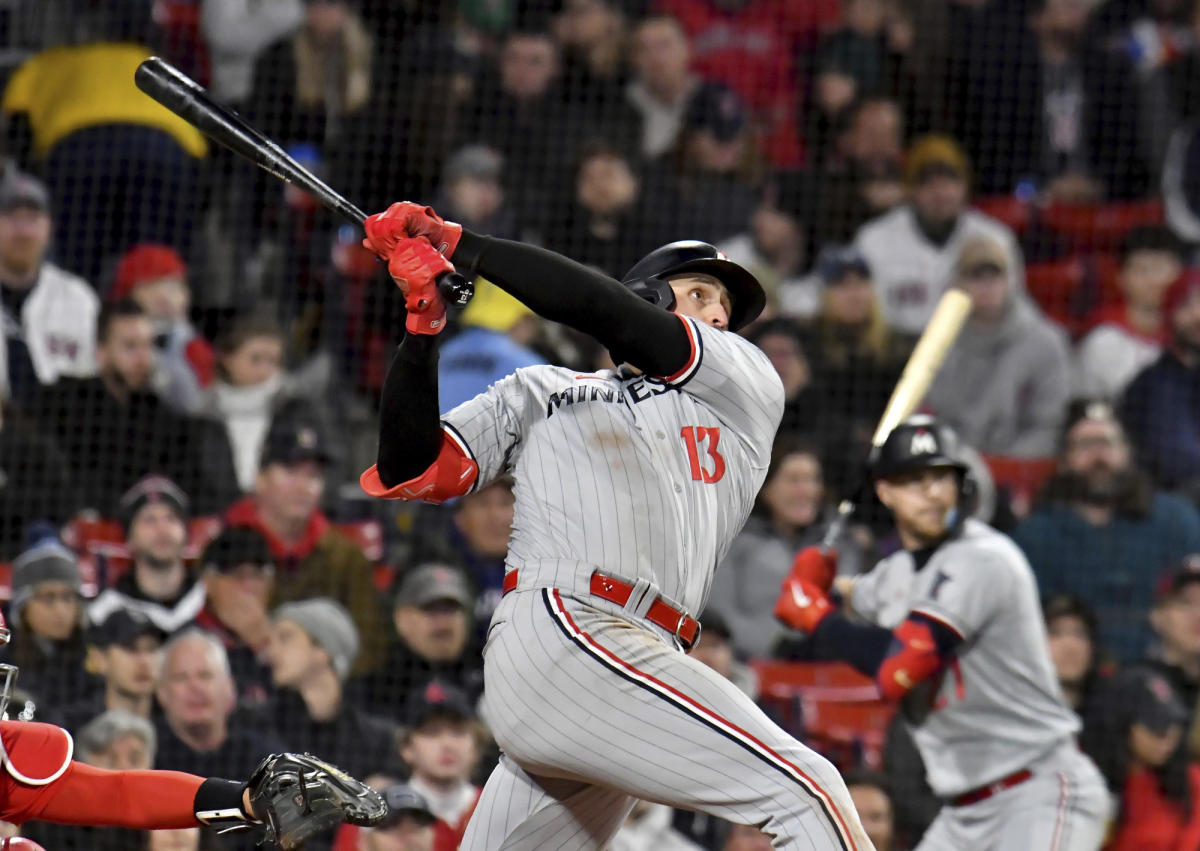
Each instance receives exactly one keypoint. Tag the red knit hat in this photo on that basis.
(145, 263)
(1185, 286)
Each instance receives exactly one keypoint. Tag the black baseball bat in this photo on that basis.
(190, 101)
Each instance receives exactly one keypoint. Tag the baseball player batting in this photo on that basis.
(40, 780)
(956, 635)
(630, 484)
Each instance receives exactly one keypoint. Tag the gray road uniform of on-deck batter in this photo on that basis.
(997, 709)
(646, 480)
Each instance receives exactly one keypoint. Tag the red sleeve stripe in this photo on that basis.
(457, 439)
(939, 619)
(693, 362)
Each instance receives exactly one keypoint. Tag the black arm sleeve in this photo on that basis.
(410, 428)
(864, 646)
(561, 290)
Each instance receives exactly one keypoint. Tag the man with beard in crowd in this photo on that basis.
(1161, 407)
(1101, 531)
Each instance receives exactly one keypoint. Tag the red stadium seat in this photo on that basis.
(1021, 477)
(1100, 226)
(1008, 209)
(1053, 285)
(201, 530)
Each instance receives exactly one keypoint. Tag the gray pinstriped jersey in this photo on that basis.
(646, 478)
(998, 706)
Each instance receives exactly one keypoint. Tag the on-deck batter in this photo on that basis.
(630, 484)
(956, 634)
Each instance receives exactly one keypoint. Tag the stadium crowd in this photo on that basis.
(191, 356)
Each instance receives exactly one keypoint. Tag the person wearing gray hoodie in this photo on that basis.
(1005, 385)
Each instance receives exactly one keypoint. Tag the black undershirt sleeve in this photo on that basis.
(554, 287)
(561, 290)
(864, 646)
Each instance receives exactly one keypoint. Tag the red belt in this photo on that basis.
(680, 624)
(985, 792)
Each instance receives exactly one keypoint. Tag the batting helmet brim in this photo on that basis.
(746, 295)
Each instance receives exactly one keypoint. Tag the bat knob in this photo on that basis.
(455, 289)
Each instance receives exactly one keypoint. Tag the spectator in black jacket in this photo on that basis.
(160, 584)
(35, 483)
(434, 631)
(113, 429)
(1161, 406)
(313, 645)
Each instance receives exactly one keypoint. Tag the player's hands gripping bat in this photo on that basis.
(191, 102)
(817, 565)
(406, 219)
(801, 604)
(923, 364)
(415, 266)
(298, 796)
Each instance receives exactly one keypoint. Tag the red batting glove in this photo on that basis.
(802, 605)
(405, 219)
(415, 266)
(816, 565)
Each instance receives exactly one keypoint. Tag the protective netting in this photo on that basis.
(170, 311)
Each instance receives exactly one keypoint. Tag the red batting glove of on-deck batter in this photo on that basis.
(801, 604)
(415, 266)
(405, 219)
(817, 565)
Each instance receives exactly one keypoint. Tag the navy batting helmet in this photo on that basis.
(649, 278)
(920, 443)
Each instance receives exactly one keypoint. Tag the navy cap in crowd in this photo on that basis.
(235, 546)
(149, 491)
(438, 700)
(718, 110)
(293, 440)
(836, 261)
(19, 189)
(431, 583)
(123, 627)
(403, 800)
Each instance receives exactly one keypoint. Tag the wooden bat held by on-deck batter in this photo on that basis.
(191, 102)
(923, 364)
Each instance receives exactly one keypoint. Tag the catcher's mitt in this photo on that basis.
(298, 795)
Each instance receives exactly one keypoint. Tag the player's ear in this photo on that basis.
(884, 491)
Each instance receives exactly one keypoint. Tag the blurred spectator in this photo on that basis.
(313, 644)
(433, 641)
(914, 806)
(1129, 336)
(858, 357)
(789, 514)
(156, 278)
(775, 248)
(118, 741)
(159, 584)
(309, 88)
(648, 828)
(746, 837)
(494, 342)
(47, 315)
(121, 168)
(1181, 179)
(251, 389)
(196, 693)
(913, 249)
(407, 827)
(1138, 745)
(705, 185)
(750, 46)
(1160, 407)
(519, 112)
(854, 62)
(1071, 633)
(236, 33)
(1100, 531)
(126, 652)
(863, 178)
(872, 796)
(594, 37)
(783, 342)
(239, 574)
(476, 542)
(441, 745)
(471, 192)
(1049, 112)
(48, 625)
(36, 485)
(1005, 385)
(113, 429)
(608, 221)
(312, 559)
(662, 85)
(1175, 620)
